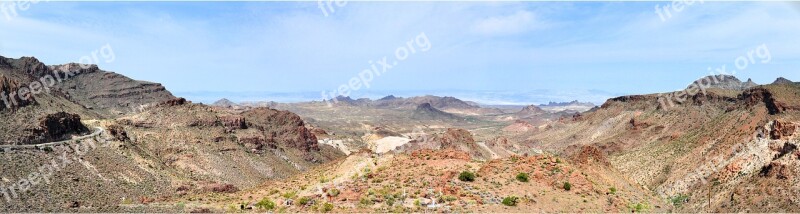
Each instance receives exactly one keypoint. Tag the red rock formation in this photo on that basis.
(589, 155)
(781, 130)
(776, 170)
(519, 126)
(283, 127)
(637, 124)
(455, 136)
(233, 122)
(755, 96)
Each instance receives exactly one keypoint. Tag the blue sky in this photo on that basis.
(579, 50)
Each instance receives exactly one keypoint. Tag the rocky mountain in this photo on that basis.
(152, 147)
(426, 111)
(725, 82)
(412, 102)
(733, 143)
(572, 103)
(32, 90)
(782, 80)
(530, 111)
(225, 103)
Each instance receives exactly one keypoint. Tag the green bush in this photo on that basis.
(466, 176)
(327, 207)
(390, 200)
(289, 195)
(612, 190)
(266, 204)
(304, 201)
(639, 207)
(510, 201)
(678, 200)
(522, 177)
(567, 186)
(366, 201)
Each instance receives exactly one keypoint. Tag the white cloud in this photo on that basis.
(519, 22)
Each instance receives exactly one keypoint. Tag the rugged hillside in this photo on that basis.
(721, 141)
(151, 146)
(428, 181)
(32, 90)
(109, 93)
(166, 151)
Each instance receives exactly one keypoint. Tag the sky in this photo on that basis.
(491, 52)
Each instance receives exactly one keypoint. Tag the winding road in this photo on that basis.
(99, 130)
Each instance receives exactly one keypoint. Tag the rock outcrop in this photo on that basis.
(283, 127)
(10, 94)
(782, 130)
(59, 126)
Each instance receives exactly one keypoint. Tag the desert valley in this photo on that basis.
(337, 106)
(102, 142)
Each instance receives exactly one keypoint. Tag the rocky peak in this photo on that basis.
(531, 109)
(782, 80)
(224, 103)
(426, 111)
(31, 66)
(722, 81)
(388, 98)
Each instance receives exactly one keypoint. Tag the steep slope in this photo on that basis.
(109, 93)
(716, 141)
(32, 90)
(151, 146)
(168, 150)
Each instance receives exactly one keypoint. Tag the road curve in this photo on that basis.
(99, 130)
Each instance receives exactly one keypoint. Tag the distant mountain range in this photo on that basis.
(518, 98)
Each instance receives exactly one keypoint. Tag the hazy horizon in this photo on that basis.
(589, 51)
